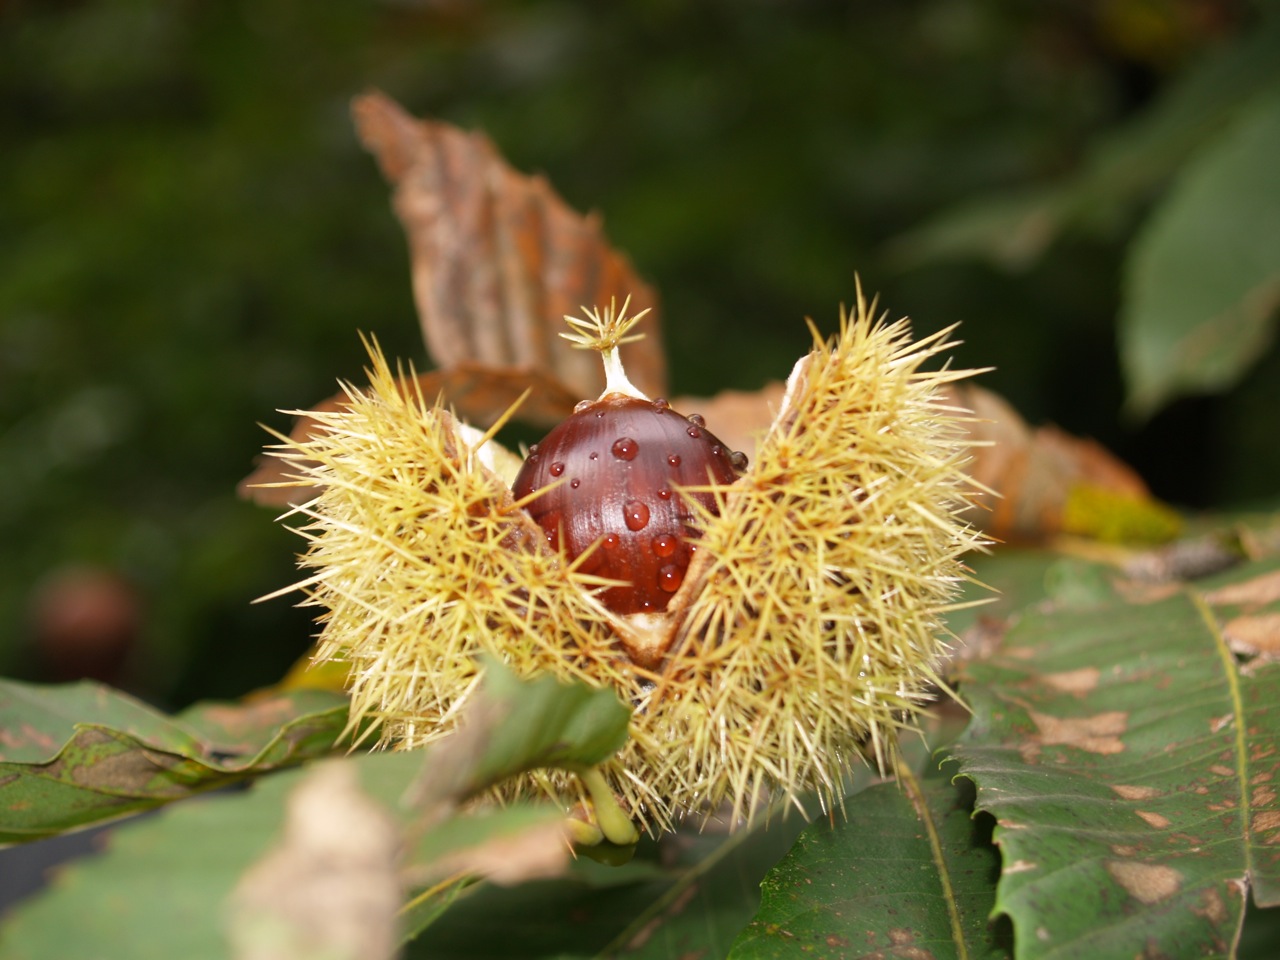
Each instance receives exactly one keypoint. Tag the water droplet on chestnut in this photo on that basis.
(556, 469)
(670, 577)
(664, 544)
(617, 502)
(636, 515)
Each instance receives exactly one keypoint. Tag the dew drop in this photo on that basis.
(594, 456)
(738, 460)
(717, 450)
(533, 450)
(624, 448)
(582, 405)
(660, 404)
(611, 540)
(694, 432)
(697, 419)
(575, 483)
(664, 494)
(669, 578)
(664, 544)
(636, 514)
(556, 469)
(673, 459)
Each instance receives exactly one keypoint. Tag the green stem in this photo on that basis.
(611, 818)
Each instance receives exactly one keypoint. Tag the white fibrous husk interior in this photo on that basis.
(811, 619)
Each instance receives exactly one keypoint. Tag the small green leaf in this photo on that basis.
(76, 754)
(1203, 277)
(542, 723)
(908, 873)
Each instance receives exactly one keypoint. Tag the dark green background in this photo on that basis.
(190, 238)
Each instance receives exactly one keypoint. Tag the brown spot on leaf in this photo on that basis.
(1099, 733)
(1222, 770)
(1130, 792)
(1076, 682)
(1258, 591)
(1254, 634)
(1211, 907)
(1146, 882)
(1268, 820)
(25, 736)
(836, 941)
(1019, 866)
(1155, 819)
(1124, 850)
(1263, 797)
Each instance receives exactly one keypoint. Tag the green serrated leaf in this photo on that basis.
(909, 873)
(1203, 276)
(1125, 759)
(77, 754)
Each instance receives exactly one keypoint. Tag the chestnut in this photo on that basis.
(620, 478)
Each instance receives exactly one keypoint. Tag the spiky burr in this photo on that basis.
(804, 630)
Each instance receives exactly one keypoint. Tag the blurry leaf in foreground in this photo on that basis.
(908, 873)
(1013, 229)
(1203, 277)
(1127, 759)
(688, 895)
(76, 754)
(155, 891)
(330, 887)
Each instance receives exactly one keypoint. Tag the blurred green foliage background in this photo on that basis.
(190, 238)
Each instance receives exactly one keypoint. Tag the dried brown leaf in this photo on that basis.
(498, 258)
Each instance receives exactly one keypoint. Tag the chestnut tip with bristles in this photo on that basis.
(605, 330)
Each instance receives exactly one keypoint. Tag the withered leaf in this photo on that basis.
(498, 258)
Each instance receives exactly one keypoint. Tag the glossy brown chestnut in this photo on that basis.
(618, 462)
